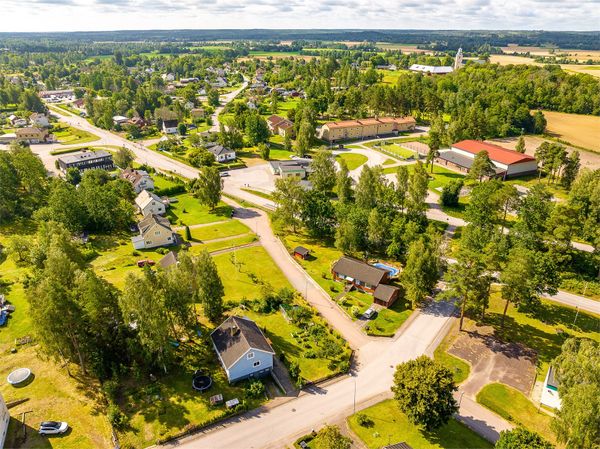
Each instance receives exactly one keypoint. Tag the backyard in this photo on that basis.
(388, 426)
(386, 321)
(246, 273)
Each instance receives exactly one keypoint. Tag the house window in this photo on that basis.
(250, 355)
(257, 363)
(156, 232)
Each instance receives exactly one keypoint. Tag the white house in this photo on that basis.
(120, 120)
(4, 420)
(221, 153)
(149, 204)
(139, 179)
(168, 77)
(170, 126)
(242, 348)
(550, 395)
(17, 121)
(39, 120)
(155, 231)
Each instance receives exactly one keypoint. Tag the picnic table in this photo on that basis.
(216, 399)
(232, 403)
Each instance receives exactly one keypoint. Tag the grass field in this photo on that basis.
(391, 76)
(188, 211)
(230, 228)
(52, 394)
(512, 405)
(67, 135)
(579, 130)
(353, 160)
(392, 426)
(385, 323)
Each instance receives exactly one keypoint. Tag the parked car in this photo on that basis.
(224, 174)
(143, 263)
(53, 427)
(369, 313)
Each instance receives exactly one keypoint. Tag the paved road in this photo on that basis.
(224, 100)
(268, 428)
(258, 221)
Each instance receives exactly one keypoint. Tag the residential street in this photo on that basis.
(275, 425)
(224, 100)
(274, 428)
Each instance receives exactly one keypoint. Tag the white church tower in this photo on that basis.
(458, 60)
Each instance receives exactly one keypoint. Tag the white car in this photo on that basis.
(53, 427)
(369, 313)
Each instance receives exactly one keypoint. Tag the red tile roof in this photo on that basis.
(496, 152)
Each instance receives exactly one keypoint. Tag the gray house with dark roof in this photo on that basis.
(242, 348)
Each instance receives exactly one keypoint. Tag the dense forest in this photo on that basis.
(439, 39)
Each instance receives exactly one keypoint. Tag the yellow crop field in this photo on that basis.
(580, 130)
(593, 70)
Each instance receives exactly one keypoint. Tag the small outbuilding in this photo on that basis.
(301, 252)
(550, 397)
(385, 295)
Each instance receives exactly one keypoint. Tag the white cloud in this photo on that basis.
(74, 15)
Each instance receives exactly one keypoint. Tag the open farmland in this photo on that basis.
(580, 55)
(580, 130)
(593, 70)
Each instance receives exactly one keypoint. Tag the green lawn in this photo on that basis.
(391, 76)
(169, 406)
(224, 244)
(512, 405)
(52, 394)
(391, 426)
(188, 211)
(117, 258)
(389, 161)
(544, 329)
(219, 230)
(259, 193)
(67, 135)
(529, 181)
(244, 282)
(353, 160)
(386, 322)
(439, 178)
(459, 368)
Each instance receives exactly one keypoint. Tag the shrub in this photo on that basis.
(255, 389)
(363, 420)
(135, 253)
(115, 416)
(111, 389)
(451, 193)
(355, 311)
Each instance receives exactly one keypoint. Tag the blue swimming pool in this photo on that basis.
(393, 271)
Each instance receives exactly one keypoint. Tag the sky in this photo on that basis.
(94, 15)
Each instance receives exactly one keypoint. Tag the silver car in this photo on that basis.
(53, 427)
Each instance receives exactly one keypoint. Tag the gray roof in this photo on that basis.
(398, 446)
(236, 336)
(301, 250)
(168, 259)
(219, 149)
(461, 160)
(359, 270)
(385, 292)
(552, 380)
(83, 156)
(291, 165)
(152, 219)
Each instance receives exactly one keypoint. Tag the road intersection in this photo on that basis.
(274, 426)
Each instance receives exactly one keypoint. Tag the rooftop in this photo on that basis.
(84, 155)
(370, 121)
(496, 152)
(236, 336)
(359, 270)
